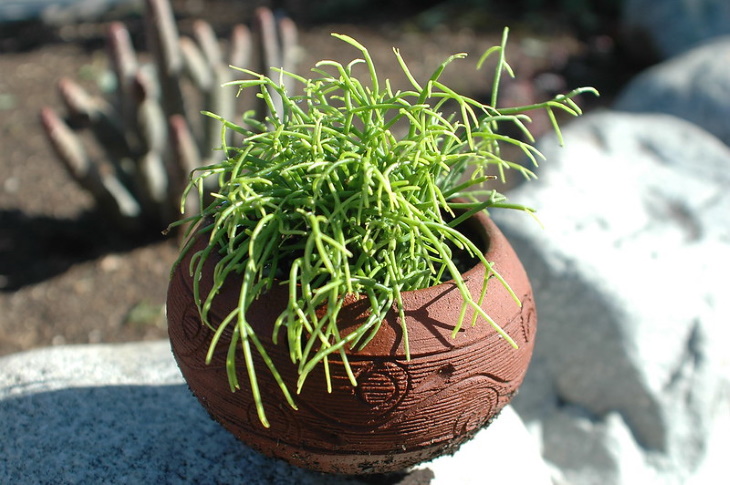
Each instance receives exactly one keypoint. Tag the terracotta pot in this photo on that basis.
(402, 412)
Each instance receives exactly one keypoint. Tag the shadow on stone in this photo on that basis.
(135, 434)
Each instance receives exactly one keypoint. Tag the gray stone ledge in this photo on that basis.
(122, 414)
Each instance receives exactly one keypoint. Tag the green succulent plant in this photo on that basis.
(350, 187)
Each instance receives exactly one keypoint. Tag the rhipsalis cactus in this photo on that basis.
(352, 188)
(151, 134)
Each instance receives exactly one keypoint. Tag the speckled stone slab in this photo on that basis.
(122, 413)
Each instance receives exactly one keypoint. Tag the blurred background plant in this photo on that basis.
(142, 142)
(71, 272)
(133, 148)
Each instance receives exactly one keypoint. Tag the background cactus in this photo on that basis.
(150, 135)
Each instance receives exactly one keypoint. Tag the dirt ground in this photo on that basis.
(67, 276)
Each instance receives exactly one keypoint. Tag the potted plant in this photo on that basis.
(344, 302)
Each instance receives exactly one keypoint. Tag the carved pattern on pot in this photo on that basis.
(196, 341)
(382, 386)
(481, 409)
(528, 318)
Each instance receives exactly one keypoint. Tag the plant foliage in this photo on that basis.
(348, 189)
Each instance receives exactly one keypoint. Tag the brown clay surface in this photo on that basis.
(401, 412)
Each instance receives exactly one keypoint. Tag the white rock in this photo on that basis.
(492, 454)
(598, 451)
(122, 414)
(693, 86)
(630, 292)
(673, 26)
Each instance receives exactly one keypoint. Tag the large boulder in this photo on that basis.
(666, 28)
(630, 373)
(122, 414)
(693, 86)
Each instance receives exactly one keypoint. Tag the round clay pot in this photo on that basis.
(402, 411)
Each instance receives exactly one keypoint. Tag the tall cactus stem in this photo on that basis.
(150, 136)
(163, 37)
